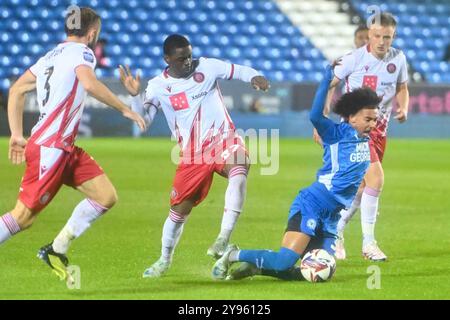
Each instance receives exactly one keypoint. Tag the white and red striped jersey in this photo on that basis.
(194, 106)
(59, 94)
(360, 68)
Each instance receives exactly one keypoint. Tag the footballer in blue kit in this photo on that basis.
(314, 213)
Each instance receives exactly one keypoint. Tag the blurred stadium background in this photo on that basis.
(290, 41)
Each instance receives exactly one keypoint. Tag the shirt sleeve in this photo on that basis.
(228, 71)
(83, 56)
(327, 129)
(346, 66)
(403, 74)
(150, 99)
(36, 68)
(147, 105)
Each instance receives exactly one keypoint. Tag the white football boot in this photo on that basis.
(157, 269)
(218, 248)
(372, 252)
(220, 268)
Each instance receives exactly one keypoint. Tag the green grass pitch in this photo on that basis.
(413, 229)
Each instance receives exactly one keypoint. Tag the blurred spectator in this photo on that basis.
(2, 100)
(256, 106)
(361, 36)
(447, 53)
(100, 54)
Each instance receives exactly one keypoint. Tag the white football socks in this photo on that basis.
(84, 214)
(369, 209)
(234, 200)
(172, 230)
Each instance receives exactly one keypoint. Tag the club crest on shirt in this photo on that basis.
(391, 68)
(311, 224)
(198, 77)
(174, 193)
(45, 197)
(88, 57)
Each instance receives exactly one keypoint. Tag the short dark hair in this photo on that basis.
(175, 41)
(361, 27)
(386, 19)
(352, 102)
(88, 18)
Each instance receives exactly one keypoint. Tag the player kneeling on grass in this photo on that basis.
(62, 79)
(314, 214)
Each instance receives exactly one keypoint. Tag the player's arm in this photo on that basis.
(145, 108)
(402, 93)
(247, 74)
(324, 126)
(231, 71)
(16, 102)
(99, 91)
(327, 107)
(330, 94)
(402, 96)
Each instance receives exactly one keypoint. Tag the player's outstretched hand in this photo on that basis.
(401, 116)
(16, 152)
(133, 85)
(130, 114)
(260, 83)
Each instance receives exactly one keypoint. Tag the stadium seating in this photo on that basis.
(246, 32)
(423, 33)
(249, 32)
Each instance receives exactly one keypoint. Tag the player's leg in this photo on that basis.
(18, 219)
(83, 173)
(41, 182)
(37, 189)
(294, 273)
(171, 234)
(293, 245)
(346, 216)
(374, 180)
(191, 185)
(369, 207)
(100, 197)
(300, 229)
(325, 239)
(236, 172)
(300, 232)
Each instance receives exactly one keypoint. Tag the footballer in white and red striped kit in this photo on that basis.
(62, 78)
(383, 69)
(189, 95)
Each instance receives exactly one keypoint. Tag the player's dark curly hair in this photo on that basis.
(352, 102)
(175, 41)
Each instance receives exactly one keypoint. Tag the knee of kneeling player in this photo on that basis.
(286, 259)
